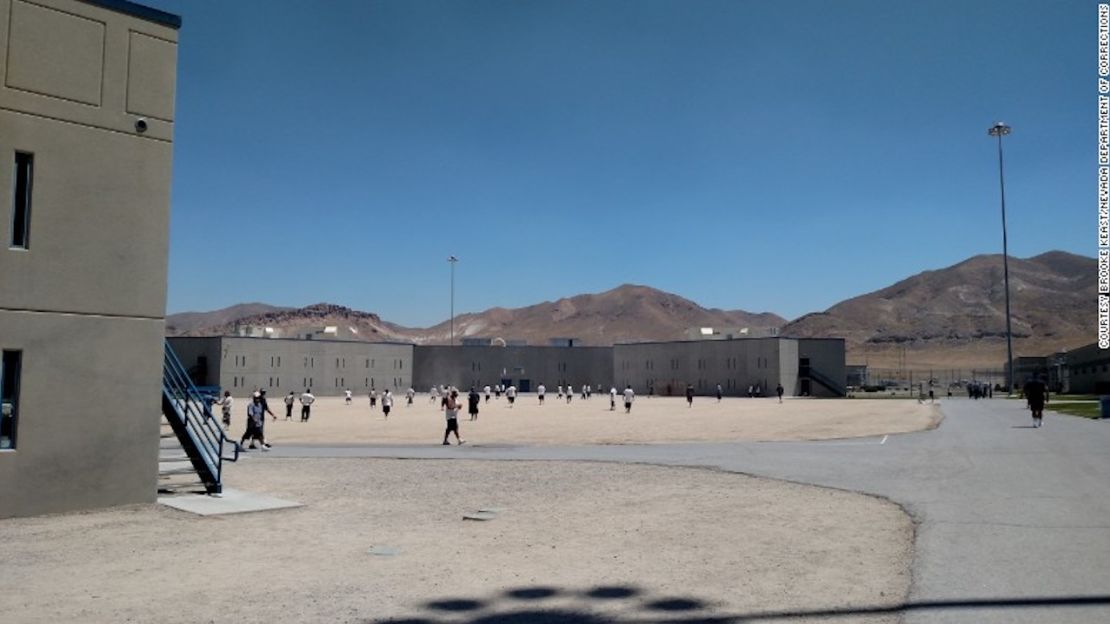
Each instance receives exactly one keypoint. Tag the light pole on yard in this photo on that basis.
(453, 260)
(1000, 130)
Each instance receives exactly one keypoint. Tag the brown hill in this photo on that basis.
(628, 313)
(184, 323)
(623, 314)
(956, 316)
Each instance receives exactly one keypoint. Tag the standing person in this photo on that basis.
(497, 391)
(265, 406)
(451, 411)
(387, 402)
(612, 399)
(719, 393)
(256, 415)
(373, 398)
(289, 398)
(409, 394)
(225, 407)
(589, 391)
(472, 400)
(570, 393)
(306, 404)
(540, 391)
(433, 394)
(779, 391)
(487, 391)
(347, 398)
(751, 391)
(629, 396)
(1036, 393)
(510, 394)
(689, 395)
(583, 392)
(560, 389)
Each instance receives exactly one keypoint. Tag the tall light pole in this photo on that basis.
(1000, 130)
(453, 260)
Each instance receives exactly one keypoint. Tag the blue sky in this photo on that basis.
(767, 156)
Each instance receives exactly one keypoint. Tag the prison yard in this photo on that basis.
(590, 421)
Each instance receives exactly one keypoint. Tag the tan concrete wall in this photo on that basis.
(88, 412)
(735, 364)
(86, 300)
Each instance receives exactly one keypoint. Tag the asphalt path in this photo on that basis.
(1013, 523)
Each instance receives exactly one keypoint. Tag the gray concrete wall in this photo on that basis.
(477, 366)
(734, 364)
(85, 302)
(328, 367)
(1088, 370)
(828, 357)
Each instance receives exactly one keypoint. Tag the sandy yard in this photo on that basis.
(591, 422)
(581, 542)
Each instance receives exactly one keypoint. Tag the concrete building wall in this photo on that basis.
(84, 299)
(734, 364)
(1088, 370)
(328, 367)
(826, 356)
(528, 366)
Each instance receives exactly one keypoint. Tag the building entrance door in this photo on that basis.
(525, 385)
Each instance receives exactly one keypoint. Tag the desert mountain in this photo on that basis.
(186, 323)
(943, 317)
(626, 313)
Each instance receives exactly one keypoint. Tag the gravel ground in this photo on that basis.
(570, 543)
(591, 422)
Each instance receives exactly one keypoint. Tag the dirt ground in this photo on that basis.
(591, 422)
(570, 543)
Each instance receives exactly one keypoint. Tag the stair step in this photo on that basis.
(162, 459)
(176, 471)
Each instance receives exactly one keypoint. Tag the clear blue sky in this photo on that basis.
(768, 156)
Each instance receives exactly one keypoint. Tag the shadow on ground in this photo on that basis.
(526, 605)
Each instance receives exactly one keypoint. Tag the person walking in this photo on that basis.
(487, 391)
(779, 391)
(560, 394)
(540, 391)
(289, 398)
(373, 399)
(629, 396)
(347, 397)
(570, 393)
(225, 407)
(472, 400)
(387, 402)
(451, 411)
(409, 395)
(719, 393)
(510, 393)
(689, 395)
(613, 399)
(1036, 394)
(306, 404)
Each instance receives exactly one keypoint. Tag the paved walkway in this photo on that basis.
(1013, 522)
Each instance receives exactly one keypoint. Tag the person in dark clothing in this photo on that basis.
(779, 391)
(719, 393)
(689, 395)
(1036, 393)
(451, 411)
(472, 400)
(255, 417)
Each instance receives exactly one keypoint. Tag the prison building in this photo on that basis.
(86, 140)
(525, 367)
(1087, 370)
(242, 365)
(804, 366)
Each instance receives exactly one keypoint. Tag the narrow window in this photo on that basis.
(9, 397)
(21, 205)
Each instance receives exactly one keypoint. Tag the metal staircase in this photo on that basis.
(199, 435)
(837, 389)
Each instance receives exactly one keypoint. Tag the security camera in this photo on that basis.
(140, 125)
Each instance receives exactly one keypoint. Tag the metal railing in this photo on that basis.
(200, 433)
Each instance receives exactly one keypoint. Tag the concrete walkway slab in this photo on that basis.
(230, 502)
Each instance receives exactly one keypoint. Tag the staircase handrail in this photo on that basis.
(819, 377)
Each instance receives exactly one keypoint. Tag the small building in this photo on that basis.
(1088, 370)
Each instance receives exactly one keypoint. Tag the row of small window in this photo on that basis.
(310, 362)
(702, 364)
(1084, 370)
(11, 363)
(308, 382)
